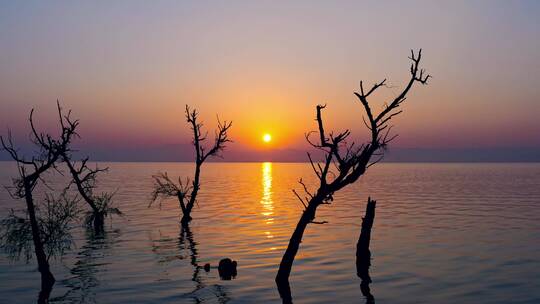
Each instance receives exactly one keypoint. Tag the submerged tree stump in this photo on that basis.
(363, 255)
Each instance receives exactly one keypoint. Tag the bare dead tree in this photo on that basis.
(49, 151)
(344, 163)
(186, 192)
(85, 179)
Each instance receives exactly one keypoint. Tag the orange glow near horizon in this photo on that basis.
(131, 97)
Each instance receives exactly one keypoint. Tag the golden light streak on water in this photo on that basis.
(266, 200)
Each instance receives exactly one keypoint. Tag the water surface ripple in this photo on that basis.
(443, 233)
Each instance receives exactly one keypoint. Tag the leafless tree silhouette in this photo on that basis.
(186, 191)
(54, 219)
(344, 163)
(49, 151)
(84, 179)
(363, 254)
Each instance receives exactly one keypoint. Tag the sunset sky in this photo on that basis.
(128, 68)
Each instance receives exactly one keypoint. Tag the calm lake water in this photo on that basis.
(443, 233)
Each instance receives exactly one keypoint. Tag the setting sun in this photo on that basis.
(267, 138)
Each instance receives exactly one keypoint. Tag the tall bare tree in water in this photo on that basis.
(49, 152)
(186, 191)
(344, 163)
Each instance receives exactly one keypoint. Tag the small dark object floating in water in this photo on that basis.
(227, 269)
(206, 267)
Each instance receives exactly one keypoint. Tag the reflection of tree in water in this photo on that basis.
(169, 251)
(187, 235)
(83, 281)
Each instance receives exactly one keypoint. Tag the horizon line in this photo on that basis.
(307, 162)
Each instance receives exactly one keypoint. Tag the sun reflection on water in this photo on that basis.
(266, 200)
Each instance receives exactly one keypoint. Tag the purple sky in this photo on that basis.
(128, 68)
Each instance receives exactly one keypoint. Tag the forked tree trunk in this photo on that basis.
(186, 217)
(186, 210)
(47, 278)
(98, 215)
